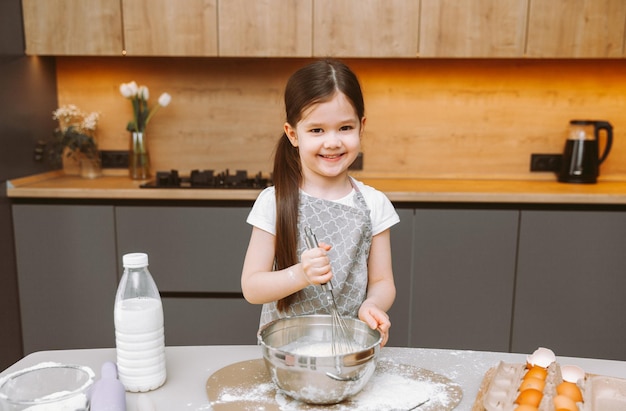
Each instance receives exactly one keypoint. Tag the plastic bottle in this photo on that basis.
(108, 393)
(139, 332)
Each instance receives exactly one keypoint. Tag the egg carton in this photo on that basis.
(604, 394)
(600, 393)
(502, 391)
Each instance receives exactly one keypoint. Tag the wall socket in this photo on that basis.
(357, 165)
(114, 159)
(545, 162)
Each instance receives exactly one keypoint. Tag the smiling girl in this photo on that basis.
(325, 118)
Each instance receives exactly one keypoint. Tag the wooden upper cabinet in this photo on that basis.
(265, 28)
(73, 27)
(576, 28)
(170, 28)
(472, 28)
(365, 28)
(321, 28)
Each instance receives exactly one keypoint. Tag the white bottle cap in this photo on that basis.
(135, 260)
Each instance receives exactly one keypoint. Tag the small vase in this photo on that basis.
(70, 161)
(139, 159)
(90, 165)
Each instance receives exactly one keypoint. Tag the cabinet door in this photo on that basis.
(268, 28)
(73, 27)
(170, 28)
(576, 28)
(206, 321)
(463, 278)
(401, 253)
(67, 275)
(365, 28)
(191, 249)
(472, 28)
(570, 286)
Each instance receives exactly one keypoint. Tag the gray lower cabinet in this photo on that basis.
(571, 283)
(482, 279)
(463, 278)
(199, 251)
(401, 249)
(206, 321)
(67, 275)
(196, 255)
(191, 249)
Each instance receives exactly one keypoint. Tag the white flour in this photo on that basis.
(388, 389)
(320, 349)
(75, 403)
(383, 392)
(258, 393)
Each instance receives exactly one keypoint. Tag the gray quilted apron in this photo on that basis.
(349, 230)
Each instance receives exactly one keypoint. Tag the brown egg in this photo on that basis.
(562, 402)
(571, 390)
(526, 407)
(530, 396)
(536, 372)
(532, 382)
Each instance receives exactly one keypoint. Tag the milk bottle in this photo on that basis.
(139, 332)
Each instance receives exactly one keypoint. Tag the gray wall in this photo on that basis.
(27, 99)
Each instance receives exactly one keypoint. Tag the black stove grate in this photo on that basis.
(209, 179)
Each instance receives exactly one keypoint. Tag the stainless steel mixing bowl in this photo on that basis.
(317, 379)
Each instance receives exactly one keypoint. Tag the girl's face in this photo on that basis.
(328, 137)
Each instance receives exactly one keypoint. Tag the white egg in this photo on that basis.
(572, 373)
(542, 357)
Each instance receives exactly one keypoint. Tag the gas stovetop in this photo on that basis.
(209, 179)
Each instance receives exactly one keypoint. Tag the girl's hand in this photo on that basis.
(375, 318)
(316, 264)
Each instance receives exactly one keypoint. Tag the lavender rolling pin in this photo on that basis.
(108, 393)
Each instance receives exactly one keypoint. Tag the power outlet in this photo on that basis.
(357, 165)
(545, 162)
(114, 159)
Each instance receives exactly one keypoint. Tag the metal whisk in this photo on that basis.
(342, 337)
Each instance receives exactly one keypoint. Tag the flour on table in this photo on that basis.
(385, 391)
(394, 386)
(258, 393)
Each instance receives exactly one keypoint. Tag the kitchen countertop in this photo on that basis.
(189, 368)
(56, 185)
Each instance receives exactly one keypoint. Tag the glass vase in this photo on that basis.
(90, 165)
(139, 159)
(70, 161)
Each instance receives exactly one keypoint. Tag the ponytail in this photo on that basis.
(287, 176)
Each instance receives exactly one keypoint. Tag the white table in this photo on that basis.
(189, 368)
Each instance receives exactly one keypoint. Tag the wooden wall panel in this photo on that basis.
(439, 118)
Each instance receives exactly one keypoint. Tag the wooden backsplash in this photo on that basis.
(478, 119)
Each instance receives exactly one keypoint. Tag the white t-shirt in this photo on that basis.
(382, 212)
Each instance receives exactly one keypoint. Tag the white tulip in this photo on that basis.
(164, 99)
(133, 88)
(126, 91)
(143, 93)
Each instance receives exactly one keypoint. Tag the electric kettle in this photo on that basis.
(581, 160)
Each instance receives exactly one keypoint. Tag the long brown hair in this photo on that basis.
(312, 84)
